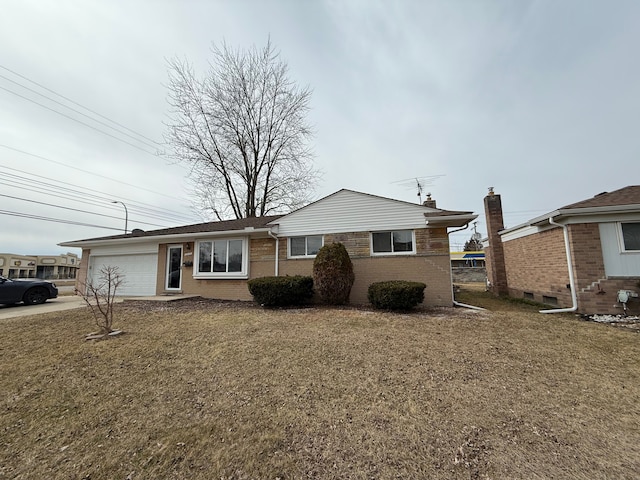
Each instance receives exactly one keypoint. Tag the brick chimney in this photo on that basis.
(496, 271)
(429, 202)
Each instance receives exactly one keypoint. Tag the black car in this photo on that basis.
(31, 292)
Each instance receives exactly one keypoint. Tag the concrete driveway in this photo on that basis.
(54, 305)
(73, 301)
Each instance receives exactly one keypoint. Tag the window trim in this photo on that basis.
(290, 255)
(242, 274)
(623, 248)
(381, 254)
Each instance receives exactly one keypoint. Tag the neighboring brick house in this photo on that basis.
(599, 236)
(386, 239)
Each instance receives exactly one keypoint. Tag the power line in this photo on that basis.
(55, 220)
(78, 112)
(74, 195)
(86, 171)
(83, 196)
(78, 210)
(76, 103)
(78, 121)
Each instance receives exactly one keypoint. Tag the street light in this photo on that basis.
(126, 215)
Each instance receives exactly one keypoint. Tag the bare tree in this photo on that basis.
(99, 294)
(243, 131)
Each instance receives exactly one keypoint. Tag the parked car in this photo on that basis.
(31, 292)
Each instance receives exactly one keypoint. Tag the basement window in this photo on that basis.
(630, 236)
(550, 300)
(527, 295)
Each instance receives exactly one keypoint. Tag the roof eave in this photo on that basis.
(565, 213)
(449, 220)
(163, 238)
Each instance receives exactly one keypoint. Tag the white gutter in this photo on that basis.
(272, 235)
(453, 293)
(572, 282)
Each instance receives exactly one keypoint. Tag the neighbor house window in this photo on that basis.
(399, 241)
(221, 258)
(630, 236)
(305, 246)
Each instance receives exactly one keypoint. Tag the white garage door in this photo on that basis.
(139, 272)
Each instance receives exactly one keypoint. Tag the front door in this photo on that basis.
(174, 270)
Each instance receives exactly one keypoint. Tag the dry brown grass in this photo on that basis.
(204, 390)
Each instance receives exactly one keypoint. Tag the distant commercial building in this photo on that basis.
(39, 266)
(468, 267)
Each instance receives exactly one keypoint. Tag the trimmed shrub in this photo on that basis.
(281, 291)
(333, 274)
(396, 294)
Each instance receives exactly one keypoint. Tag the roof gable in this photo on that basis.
(351, 211)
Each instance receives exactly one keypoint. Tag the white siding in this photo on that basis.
(616, 262)
(348, 211)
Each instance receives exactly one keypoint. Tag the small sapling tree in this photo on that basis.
(99, 295)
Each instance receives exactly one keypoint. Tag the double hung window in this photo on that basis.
(393, 242)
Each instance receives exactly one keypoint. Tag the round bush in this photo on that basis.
(281, 291)
(396, 294)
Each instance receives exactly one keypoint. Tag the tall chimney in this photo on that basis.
(496, 270)
(429, 202)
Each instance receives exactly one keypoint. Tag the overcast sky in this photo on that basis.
(539, 99)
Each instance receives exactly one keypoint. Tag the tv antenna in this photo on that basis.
(418, 183)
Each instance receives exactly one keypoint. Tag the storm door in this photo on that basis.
(174, 270)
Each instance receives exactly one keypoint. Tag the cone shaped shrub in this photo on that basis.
(333, 274)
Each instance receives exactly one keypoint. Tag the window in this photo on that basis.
(221, 258)
(630, 236)
(399, 242)
(305, 246)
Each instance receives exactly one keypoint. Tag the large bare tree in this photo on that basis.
(242, 129)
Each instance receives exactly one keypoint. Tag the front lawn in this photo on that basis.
(203, 390)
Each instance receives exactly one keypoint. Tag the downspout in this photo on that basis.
(572, 282)
(453, 294)
(272, 235)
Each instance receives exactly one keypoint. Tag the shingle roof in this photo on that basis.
(625, 196)
(220, 226)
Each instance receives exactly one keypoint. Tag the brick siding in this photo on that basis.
(430, 265)
(537, 264)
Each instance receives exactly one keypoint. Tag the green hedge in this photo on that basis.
(333, 274)
(281, 291)
(396, 294)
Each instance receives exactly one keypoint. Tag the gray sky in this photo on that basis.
(539, 99)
